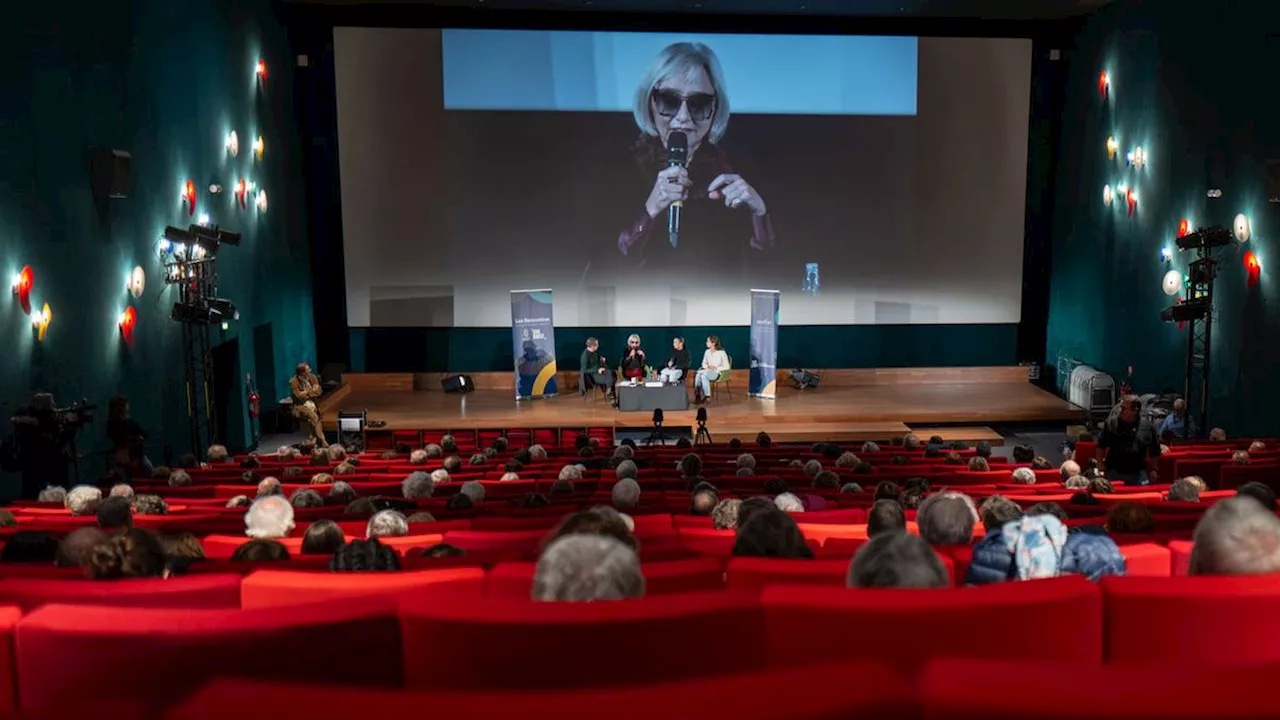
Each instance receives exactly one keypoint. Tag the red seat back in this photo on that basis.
(282, 588)
(755, 574)
(197, 591)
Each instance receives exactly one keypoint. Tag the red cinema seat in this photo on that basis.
(1180, 556)
(8, 622)
(100, 651)
(220, 590)
(409, 543)
(513, 645)
(909, 627)
(1199, 620)
(708, 541)
(840, 548)
(282, 588)
(516, 544)
(981, 690)
(1147, 560)
(755, 574)
(855, 690)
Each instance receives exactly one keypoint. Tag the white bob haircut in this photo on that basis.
(269, 517)
(687, 59)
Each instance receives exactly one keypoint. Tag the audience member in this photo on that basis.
(418, 457)
(474, 490)
(911, 498)
(360, 506)
(53, 494)
(269, 486)
(452, 464)
(885, 516)
(443, 550)
(897, 560)
(946, 518)
(134, 553)
(1049, 508)
(595, 521)
(886, 490)
(1023, 454)
(997, 510)
(826, 480)
(1039, 546)
(626, 495)
(387, 523)
(323, 537)
(417, 486)
(910, 443)
(433, 451)
(217, 454)
(587, 568)
(1257, 446)
(1130, 518)
(306, 498)
(1217, 435)
(1069, 469)
(724, 516)
(75, 548)
(1263, 494)
(1076, 482)
(322, 478)
(30, 546)
(851, 487)
(770, 533)
(1183, 490)
(788, 502)
(269, 518)
(847, 460)
(1237, 536)
(181, 552)
(261, 550)
(752, 505)
(115, 513)
(148, 504)
(763, 439)
(238, 501)
(1201, 485)
(812, 468)
(1100, 486)
(703, 501)
(1240, 457)
(340, 493)
(84, 500)
(978, 464)
(775, 486)
(627, 469)
(365, 556)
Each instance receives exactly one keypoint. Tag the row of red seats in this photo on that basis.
(447, 636)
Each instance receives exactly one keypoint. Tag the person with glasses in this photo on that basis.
(633, 359)
(724, 218)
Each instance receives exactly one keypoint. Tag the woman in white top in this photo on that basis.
(714, 362)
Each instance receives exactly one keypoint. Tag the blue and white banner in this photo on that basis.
(764, 344)
(533, 338)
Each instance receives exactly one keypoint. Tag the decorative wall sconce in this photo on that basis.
(23, 281)
(1172, 283)
(1184, 228)
(259, 147)
(261, 201)
(242, 189)
(1131, 197)
(189, 196)
(1104, 84)
(1240, 228)
(204, 220)
(128, 320)
(1137, 158)
(260, 70)
(1107, 195)
(136, 281)
(1113, 147)
(215, 188)
(1252, 268)
(1166, 255)
(233, 143)
(40, 320)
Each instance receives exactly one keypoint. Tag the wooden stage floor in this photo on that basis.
(873, 412)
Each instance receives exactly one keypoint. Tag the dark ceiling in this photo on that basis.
(968, 9)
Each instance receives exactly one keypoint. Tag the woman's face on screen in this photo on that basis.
(684, 102)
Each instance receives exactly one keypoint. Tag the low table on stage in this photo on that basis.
(647, 398)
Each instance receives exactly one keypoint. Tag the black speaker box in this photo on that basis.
(110, 173)
(458, 384)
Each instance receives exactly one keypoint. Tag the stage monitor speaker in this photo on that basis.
(110, 173)
(457, 384)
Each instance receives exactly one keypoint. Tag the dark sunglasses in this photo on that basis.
(667, 104)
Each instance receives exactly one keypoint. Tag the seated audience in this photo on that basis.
(74, 549)
(181, 552)
(269, 518)
(1023, 476)
(847, 460)
(1076, 482)
(587, 568)
(910, 443)
(812, 468)
(387, 523)
(897, 560)
(1183, 490)
(1048, 508)
(562, 487)
(1023, 454)
(474, 490)
(360, 506)
(788, 502)
(123, 490)
(826, 480)
(148, 504)
(863, 468)
(179, 478)
(306, 499)
(952, 458)
(323, 537)
(1039, 546)
(627, 470)
(417, 486)
(365, 556)
(84, 500)
(452, 464)
(982, 449)
(1217, 435)
(269, 486)
(1237, 536)
(770, 533)
(340, 493)
(946, 518)
(1201, 485)
(851, 487)
(217, 454)
(1263, 494)
(1040, 462)
(1099, 485)
(885, 516)
(1069, 469)
(997, 510)
(322, 478)
(1130, 518)
(763, 440)
(443, 550)
(886, 490)
(250, 463)
(134, 553)
(703, 501)
(53, 494)
(724, 516)
(775, 486)
(595, 521)
(1240, 457)
(115, 513)
(911, 498)
(750, 506)
(978, 464)
(418, 457)
(1257, 446)
(261, 550)
(461, 502)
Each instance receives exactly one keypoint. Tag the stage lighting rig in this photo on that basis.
(1206, 239)
(1196, 311)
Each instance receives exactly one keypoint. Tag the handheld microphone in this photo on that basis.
(677, 154)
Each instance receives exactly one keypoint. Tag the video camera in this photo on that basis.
(76, 415)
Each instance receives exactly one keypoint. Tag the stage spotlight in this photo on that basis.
(189, 196)
(221, 308)
(1184, 228)
(1172, 283)
(1240, 228)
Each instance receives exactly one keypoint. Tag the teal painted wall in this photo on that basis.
(166, 82)
(816, 346)
(1195, 91)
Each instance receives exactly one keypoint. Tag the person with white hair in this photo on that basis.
(84, 500)
(387, 523)
(417, 486)
(439, 475)
(570, 472)
(179, 478)
(587, 568)
(337, 453)
(537, 452)
(123, 490)
(509, 477)
(1237, 536)
(627, 469)
(286, 452)
(418, 457)
(624, 452)
(947, 518)
(239, 501)
(626, 495)
(746, 461)
(870, 447)
(788, 502)
(53, 494)
(218, 453)
(1024, 476)
(474, 490)
(1076, 482)
(1069, 468)
(269, 518)
(1184, 490)
(812, 468)
(432, 451)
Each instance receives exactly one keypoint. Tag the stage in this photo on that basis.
(849, 405)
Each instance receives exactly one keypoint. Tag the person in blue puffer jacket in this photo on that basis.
(1038, 546)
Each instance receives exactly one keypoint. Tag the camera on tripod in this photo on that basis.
(77, 414)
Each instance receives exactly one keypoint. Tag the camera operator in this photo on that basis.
(127, 439)
(45, 437)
